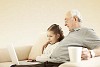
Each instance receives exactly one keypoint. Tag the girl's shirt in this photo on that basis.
(47, 52)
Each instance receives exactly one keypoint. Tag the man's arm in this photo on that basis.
(97, 51)
(87, 54)
(92, 42)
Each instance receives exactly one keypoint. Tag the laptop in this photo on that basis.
(14, 57)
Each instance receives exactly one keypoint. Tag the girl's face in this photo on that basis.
(52, 38)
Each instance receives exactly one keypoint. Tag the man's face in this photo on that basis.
(69, 21)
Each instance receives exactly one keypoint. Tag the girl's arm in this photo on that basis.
(44, 46)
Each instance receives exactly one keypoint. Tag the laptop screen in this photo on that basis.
(13, 54)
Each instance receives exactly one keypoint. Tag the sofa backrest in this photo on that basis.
(37, 47)
(22, 53)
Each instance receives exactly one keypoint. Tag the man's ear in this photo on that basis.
(75, 18)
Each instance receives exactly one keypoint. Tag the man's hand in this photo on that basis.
(85, 54)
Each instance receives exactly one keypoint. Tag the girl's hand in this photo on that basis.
(31, 61)
(45, 45)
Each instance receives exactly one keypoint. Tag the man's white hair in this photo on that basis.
(75, 12)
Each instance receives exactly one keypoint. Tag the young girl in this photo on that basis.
(55, 35)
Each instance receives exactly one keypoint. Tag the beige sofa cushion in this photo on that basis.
(37, 47)
(22, 53)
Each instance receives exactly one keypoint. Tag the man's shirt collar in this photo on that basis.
(76, 29)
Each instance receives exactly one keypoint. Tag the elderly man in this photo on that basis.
(78, 35)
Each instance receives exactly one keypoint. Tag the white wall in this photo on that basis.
(21, 21)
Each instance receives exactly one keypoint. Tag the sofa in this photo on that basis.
(32, 51)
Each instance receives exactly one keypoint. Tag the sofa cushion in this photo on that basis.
(23, 52)
(37, 47)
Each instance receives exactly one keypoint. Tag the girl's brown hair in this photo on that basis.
(57, 30)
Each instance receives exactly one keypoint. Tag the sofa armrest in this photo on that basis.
(93, 62)
(4, 55)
